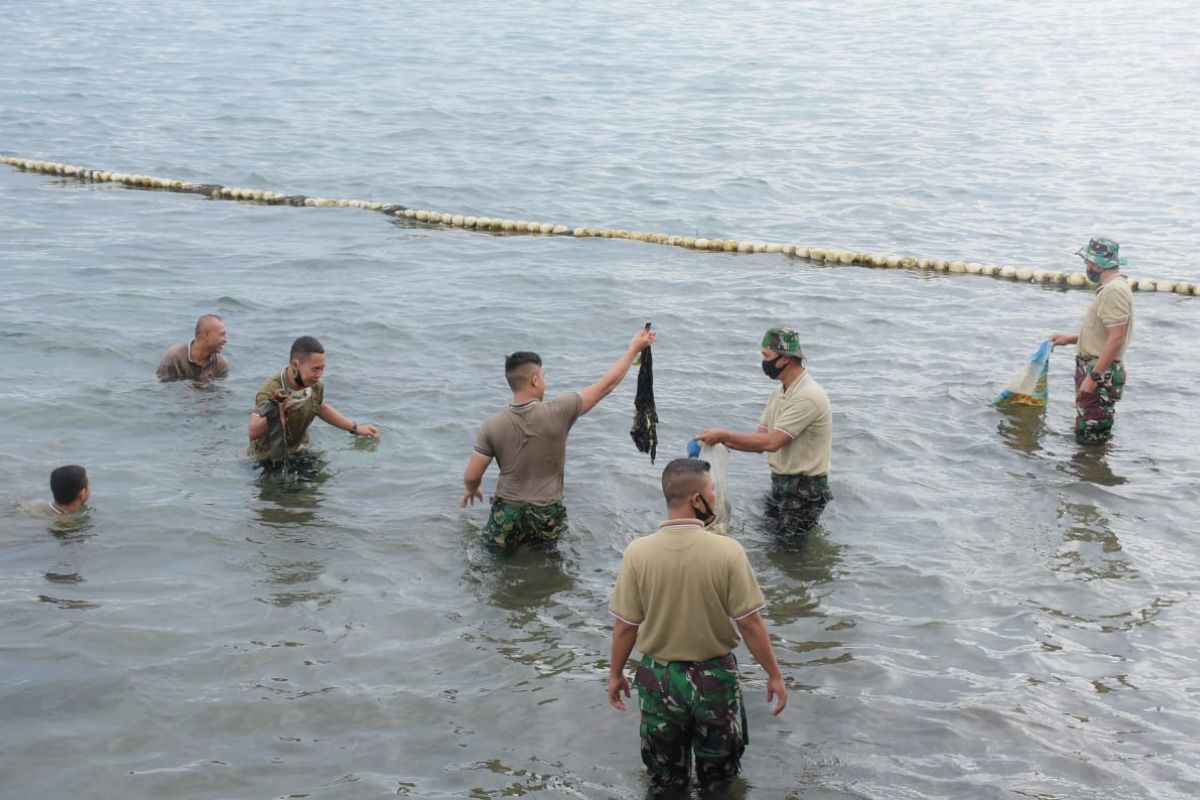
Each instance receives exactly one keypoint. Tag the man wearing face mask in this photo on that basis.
(796, 429)
(529, 439)
(291, 400)
(675, 596)
(1101, 343)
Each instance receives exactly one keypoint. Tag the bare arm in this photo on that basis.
(473, 477)
(616, 373)
(331, 415)
(258, 426)
(754, 631)
(624, 635)
(1063, 338)
(761, 441)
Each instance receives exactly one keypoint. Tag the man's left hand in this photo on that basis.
(1087, 387)
(711, 436)
(616, 686)
(367, 430)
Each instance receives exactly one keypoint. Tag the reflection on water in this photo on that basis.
(1091, 549)
(1021, 427)
(288, 509)
(524, 580)
(806, 563)
(1090, 464)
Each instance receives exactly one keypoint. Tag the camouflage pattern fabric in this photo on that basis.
(784, 341)
(1095, 412)
(691, 707)
(1103, 252)
(796, 502)
(512, 524)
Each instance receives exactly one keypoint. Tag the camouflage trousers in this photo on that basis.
(1094, 413)
(512, 524)
(796, 502)
(691, 707)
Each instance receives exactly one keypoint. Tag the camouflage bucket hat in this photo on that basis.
(784, 341)
(1103, 253)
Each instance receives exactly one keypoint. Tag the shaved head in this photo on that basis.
(683, 478)
(519, 369)
(205, 321)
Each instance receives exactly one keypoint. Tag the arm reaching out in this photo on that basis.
(330, 415)
(616, 373)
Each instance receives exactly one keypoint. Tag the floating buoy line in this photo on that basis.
(816, 255)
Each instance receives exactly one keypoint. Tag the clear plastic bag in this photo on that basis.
(717, 457)
(1028, 387)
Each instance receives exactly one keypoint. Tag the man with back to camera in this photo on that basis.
(1100, 345)
(796, 428)
(529, 439)
(287, 403)
(71, 489)
(199, 359)
(674, 597)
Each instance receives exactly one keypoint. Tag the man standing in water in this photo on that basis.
(674, 598)
(199, 359)
(1100, 345)
(287, 403)
(529, 439)
(796, 429)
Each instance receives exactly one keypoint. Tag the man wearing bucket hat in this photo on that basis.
(796, 429)
(1101, 343)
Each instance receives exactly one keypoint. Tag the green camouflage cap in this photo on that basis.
(1102, 252)
(784, 341)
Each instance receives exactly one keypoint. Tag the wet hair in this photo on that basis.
(682, 478)
(518, 368)
(304, 347)
(204, 320)
(67, 482)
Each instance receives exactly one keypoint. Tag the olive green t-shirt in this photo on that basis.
(804, 414)
(299, 410)
(682, 586)
(530, 444)
(1112, 305)
(177, 365)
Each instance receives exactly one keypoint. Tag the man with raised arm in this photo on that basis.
(529, 440)
(796, 429)
(287, 403)
(200, 359)
(678, 597)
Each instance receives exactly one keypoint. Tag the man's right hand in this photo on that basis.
(618, 685)
(1058, 339)
(641, 340)
(778, 692)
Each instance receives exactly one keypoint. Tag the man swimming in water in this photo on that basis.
(529, 439)
(71, 489)
(287, 403)
(199, 359)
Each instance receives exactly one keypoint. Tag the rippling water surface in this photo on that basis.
(986, 610)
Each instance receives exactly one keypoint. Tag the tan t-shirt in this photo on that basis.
(681, 586)
(530, 444)
(1112, 305)
(299, 410)
(177, 365)
(803, 413)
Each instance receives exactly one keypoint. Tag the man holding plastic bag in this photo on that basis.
(796, 429)
(1101, 343)
(1029, 386)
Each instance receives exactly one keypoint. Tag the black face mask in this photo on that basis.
(1093, 274)
(770, 369)
(709, 516)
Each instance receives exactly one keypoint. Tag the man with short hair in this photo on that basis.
(796, 429)
(529, 439)
(287, 403)
(674, 597)
(199, 359)
(70, 488)
(1100, 345)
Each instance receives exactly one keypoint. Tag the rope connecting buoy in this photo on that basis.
(815, 255)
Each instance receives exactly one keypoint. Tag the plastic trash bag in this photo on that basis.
(1028, 387)
(717, 456)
